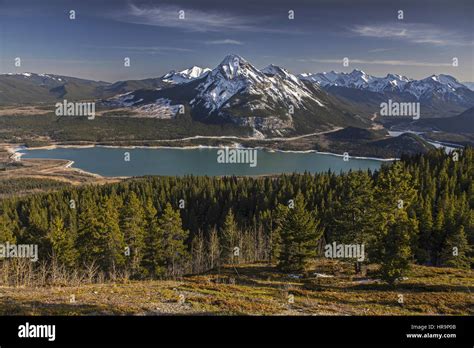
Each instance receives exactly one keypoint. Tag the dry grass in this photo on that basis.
(255, 289)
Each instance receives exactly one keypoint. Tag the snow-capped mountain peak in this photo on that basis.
(273, 70)
(392, 82)
(195, 72)
(446, 80)
(235, 75)
(235, 67)
(187, 75)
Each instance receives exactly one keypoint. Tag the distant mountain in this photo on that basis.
(271, 101)
(463, 123)
(469, 85)
(121, 87)
(358, 79)
(165, 81)
(187, 75)
(372, 143)
(438, 95)
(28, 88)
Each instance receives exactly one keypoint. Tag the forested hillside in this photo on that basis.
(420, 209)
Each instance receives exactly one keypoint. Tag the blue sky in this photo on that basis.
(368, 32)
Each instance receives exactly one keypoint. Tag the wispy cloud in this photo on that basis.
(379, 62)
(224, 42)
(376, 50)
(414, 33)
(194, 19)
(191, 19)
(149, 49)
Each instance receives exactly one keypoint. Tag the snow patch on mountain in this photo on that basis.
(34, 75)
(161, 108)
(184, 76)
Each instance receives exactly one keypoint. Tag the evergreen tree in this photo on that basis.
(6, 231)
(353, 218)
(89, 242)
(111, 237)
(133, 228)
(424, 245)
(456, 250)
(214, 249)
(300, 233)
(62, 243)
(275, 241)
(395, 247)
(230, 237)
(175, 253)
(154, 252)
(395, 229)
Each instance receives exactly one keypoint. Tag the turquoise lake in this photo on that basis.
(197, 161)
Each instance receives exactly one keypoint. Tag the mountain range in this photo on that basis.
(271, 100)
(439, 95)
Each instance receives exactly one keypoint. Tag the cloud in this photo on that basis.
(376, 50)
(413, 33)
(150, 49)
(224, 42)
(379, 62)
(194, 19)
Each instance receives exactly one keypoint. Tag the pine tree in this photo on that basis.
(353, 221)
(395, 247)
(175, 253)
(300, 233)
(425, 242)
(230, 237)
(154, 244)
(89, 242)
(6, 230)
(214, 249)
(456, 249)
(198, 253)
(275, 242)
(111, 237)
(132, 226)
(62, 243)
(395, 228)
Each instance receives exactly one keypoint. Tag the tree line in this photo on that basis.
(419, 209)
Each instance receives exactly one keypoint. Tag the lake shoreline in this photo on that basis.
(168, 161)
(18, 149)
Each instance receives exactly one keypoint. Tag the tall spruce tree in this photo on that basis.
(300, 233)
(456, 250)
(112, 239)
(153, 260)
(132, 225)
(62, 243)
(175, 253)
(353, 221)
(89, 242)
(230, 238)
(395, 229)
(6, 230)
